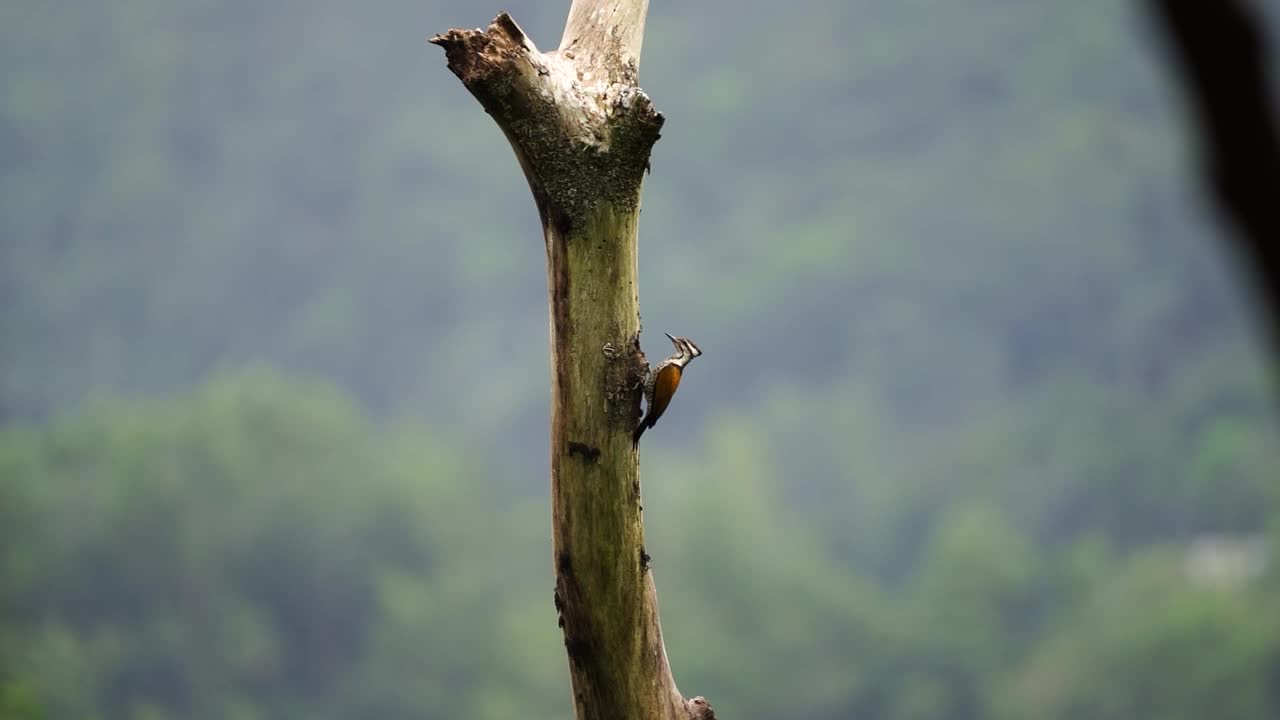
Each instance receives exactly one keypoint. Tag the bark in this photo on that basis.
(582, 131)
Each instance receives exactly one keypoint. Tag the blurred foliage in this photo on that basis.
(273, 371)
(260, 548)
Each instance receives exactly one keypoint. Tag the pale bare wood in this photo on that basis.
(582, 131)
(607, 35)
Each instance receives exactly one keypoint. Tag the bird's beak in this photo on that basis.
(671, 338)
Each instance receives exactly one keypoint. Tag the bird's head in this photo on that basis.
(685, 348)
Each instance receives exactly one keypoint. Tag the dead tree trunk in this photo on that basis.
(582, 131)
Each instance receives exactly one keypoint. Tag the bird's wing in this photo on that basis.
(663, 390)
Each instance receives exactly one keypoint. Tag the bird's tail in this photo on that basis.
(635, 436)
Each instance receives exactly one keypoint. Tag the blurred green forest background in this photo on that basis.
(984, 429)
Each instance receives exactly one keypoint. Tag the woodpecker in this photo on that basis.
(662, 382)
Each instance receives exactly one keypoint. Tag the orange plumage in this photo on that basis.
(664, 388)
(663, 381)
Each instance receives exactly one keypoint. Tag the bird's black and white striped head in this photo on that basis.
(685, 350)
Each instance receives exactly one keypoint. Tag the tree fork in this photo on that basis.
(582, 131)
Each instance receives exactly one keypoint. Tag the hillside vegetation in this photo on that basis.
(274, 371)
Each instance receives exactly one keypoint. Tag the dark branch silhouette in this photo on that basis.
(1219, 53)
